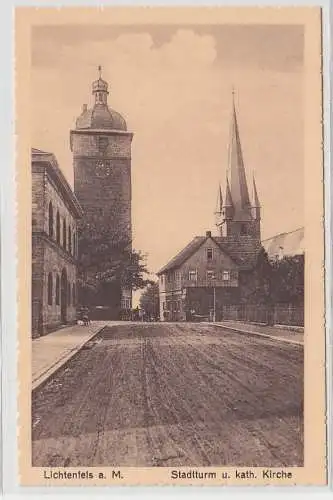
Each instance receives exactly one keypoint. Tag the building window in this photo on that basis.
(192, 275)
(57, 290)
(169, 277)
(49, 289)
(162, 279)
(74, 244)
(50, 220)
(74, 298)
(164, 306)
(209, 254)
(226, 275)
(58, 228)
(177, 275)
(68, 294)
(64, 234)
(210, 275)
(69, 239)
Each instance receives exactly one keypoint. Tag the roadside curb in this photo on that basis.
(41, 378)
(257, 334)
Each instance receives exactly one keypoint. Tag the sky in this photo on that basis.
(173, 85)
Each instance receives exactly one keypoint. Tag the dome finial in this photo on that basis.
(100, 71)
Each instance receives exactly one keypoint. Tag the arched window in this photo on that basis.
(58, 228)
(74, 244)
(50, 220)
(68, 294)
(57, 290)
(74, 295)
(64, 234)
(69, 239)
(50, 289)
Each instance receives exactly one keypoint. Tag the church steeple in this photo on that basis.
(239, 189)
(100, 89)
(239, 217)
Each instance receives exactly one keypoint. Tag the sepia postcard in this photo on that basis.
(169, 173)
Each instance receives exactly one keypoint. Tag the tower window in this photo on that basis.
(209, 254)
(69, 239)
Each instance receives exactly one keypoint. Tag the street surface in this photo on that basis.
(172, 395)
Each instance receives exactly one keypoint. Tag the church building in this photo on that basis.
(213, 271)
(101, 147)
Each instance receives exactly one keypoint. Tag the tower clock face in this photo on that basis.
(103, 168)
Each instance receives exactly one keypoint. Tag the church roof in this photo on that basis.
(49, 162)
(285, 244)
(101, 117)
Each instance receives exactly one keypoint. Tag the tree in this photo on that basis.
(150, 301)
(288, 279)
(108, 263)
(259, 282)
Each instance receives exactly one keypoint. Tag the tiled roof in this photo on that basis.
(184, 254)
(285, 244)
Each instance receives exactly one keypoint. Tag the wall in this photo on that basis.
(47, 255)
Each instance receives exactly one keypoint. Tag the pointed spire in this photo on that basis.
(256, 202)
(219, 201)
(239, 189)
(228, 198)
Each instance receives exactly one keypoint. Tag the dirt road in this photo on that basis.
(173, 395)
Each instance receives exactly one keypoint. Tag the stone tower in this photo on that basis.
(101, 147)
(236, 217)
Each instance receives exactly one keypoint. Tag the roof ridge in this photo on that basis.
(283, 233)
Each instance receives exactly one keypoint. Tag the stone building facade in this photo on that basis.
(55, 214)
(212, 271)
(101, 147)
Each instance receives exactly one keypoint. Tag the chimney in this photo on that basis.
(208, 234)
(84, 108)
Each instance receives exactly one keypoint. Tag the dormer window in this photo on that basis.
(210, 275)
